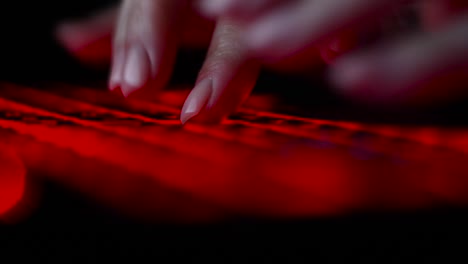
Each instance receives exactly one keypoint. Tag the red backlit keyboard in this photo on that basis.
(135, 156)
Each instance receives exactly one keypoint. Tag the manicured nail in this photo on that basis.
(137, 70)
(197, 100)
(118, 60)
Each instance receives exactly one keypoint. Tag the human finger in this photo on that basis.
(235, 8)
(300, 24)
(428, 68)
(145, 44)
(89, 39)
(226, 78)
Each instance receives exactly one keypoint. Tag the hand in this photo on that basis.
(426, 68)
(158, 30)
(147, 36)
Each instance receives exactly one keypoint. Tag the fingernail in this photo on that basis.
(197, 100)
(115, 79)
(137, 70)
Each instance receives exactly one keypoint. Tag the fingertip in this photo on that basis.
(131, 72)
(112, 85)
(137, 66)
(127, 90)
(114, 79)
(118, 61)
(186, 116)
(197, 100)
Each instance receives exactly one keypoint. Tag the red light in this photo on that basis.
(135, 156)
(12, 179)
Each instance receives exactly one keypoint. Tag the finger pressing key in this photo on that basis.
(226, 78)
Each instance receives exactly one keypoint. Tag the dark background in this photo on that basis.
(67, 228)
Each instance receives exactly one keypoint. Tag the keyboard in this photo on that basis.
(134, 156)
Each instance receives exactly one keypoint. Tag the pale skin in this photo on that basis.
(426, 67)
